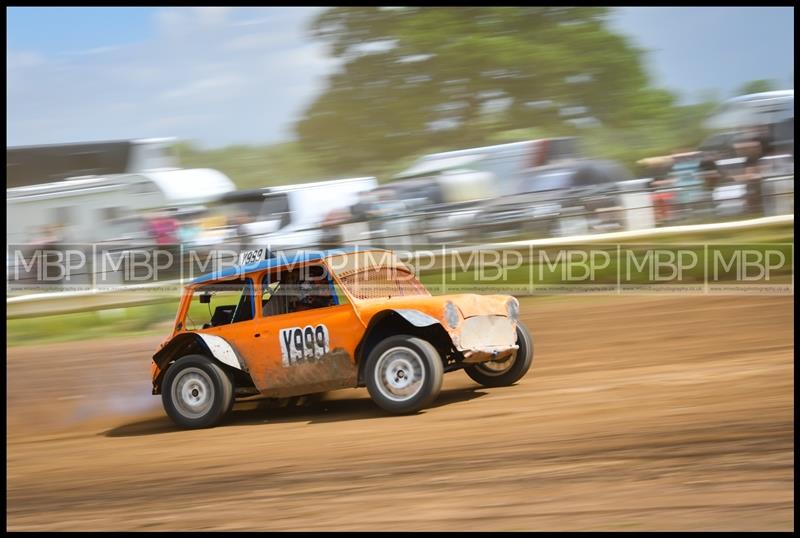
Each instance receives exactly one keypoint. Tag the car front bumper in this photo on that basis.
(486, 338)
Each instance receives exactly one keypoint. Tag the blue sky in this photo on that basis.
(243, 75)
(697, 49)
(50, 30)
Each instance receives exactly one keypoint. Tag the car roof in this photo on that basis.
(279, 260)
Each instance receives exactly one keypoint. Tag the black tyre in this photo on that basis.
(508, 371)
(196, 392)
(403, 374)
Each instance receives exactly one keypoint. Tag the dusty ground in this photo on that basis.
(638, 413)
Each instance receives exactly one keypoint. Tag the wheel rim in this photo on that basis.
(193, 393)
(399, 374)
(495, 368)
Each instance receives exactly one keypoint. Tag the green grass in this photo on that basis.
(114, 323)
(778, 237)
(634, 267)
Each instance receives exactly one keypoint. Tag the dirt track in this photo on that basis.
(638, 413)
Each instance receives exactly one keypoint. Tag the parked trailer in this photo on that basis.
(509, 164)
(83, 207)
(35, 165)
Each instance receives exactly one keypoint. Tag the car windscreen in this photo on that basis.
(598, 173)
(382, 282)
(250, 208)
(548, 180)
(276, 206)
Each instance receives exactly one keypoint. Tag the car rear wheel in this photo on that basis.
(196, 392)
(508, 371)
(404, 374)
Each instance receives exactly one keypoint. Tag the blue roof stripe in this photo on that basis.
(279, 260)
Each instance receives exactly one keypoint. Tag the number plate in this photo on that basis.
(304, 344)
(252, 256)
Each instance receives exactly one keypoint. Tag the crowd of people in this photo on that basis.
(686, 182)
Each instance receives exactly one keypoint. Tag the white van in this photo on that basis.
(291, 215)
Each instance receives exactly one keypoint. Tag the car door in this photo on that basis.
(302, 348)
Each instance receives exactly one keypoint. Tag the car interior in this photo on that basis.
(293, 290)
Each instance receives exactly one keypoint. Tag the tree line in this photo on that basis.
(415, 80)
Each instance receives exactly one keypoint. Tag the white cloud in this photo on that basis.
(212, 16)
(252, 22)
(169, 20)
(254, 41)
(207, 88)
(178, 121)
(22, 59)
(214, 75)
(92, 51)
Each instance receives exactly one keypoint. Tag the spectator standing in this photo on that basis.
(163, 229)
(48, 243)
(660, 185)
(751, 152)
(188, 232)
(687, 180)
(710, 175)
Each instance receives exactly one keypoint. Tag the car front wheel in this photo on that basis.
(404, 374)
(508, 371)
(196, 392)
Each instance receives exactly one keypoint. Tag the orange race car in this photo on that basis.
(312, 322)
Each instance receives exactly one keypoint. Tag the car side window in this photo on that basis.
(221, 303)
(295, 290)
(273, 300)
